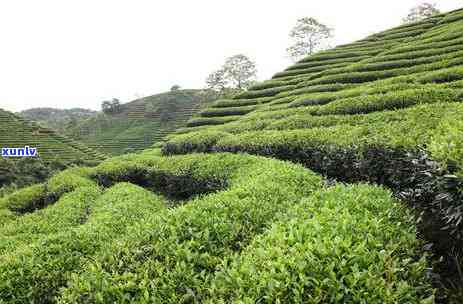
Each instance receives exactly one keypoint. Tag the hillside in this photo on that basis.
(57, 119)
(16, 131)
(141, 122)
(357, 200)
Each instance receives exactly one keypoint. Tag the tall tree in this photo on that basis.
(217, 81)
(175, 87)
(237, 73)
(240, 71)
(308, 36)
(111, 106)
(421, 12)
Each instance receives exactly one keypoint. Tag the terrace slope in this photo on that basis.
(396, 90)
(238, 228)
(141, 122)
(386, 109)
(16, 131)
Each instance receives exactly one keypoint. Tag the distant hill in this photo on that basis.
(57, 119)
(16, 131)
(141, 122)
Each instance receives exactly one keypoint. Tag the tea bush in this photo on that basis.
(342, 245)
(35, 273)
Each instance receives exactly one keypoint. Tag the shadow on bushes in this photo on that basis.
(174, 187)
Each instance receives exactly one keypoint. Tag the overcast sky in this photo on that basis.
(64, 54)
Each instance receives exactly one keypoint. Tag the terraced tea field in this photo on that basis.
(141, 123)
(353, 194)
(16, 131)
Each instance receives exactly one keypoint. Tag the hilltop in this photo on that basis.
(57, 119)
(357, 200)
(141, 122)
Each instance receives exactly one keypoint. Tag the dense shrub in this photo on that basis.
(35, 273)
(26, 200)
(306, 65)
(345, 244)
(70, 211)
(389, 101)
(229, 111)
(27, 171)
(201, 121)
(225, 103)
(68, 180)
(264, 92)
(182, 250)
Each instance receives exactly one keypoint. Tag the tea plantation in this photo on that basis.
(141, 123)
(16, 131)
(337, 181)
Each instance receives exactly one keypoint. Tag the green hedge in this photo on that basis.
(342, 245)
(225, 103)
(25, 200)
(413, 55)
(306, 65)
(388, 101)
(230, 111)
(182, 249)
(422, 46)
(253, 93)
(35, 273)
(202, 121)
(335, 54)
(69, 211)
(68, 180)
(359, 91)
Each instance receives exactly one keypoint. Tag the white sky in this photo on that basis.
(64, 54)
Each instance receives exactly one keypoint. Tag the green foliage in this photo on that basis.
(229, 111)
(142, 122)
(26, 171)
(36, 272)
(345, 244)
(191, 241)
(25, 200)
(70, 211)
(57, 119)
(233, 227)
(382, 110)
(447, 144)
(52, 147)
(68, 180)
(201, 121)
(389, 101)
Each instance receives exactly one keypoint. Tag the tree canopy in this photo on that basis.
(308, 36)
(420, 12)
(238, 73)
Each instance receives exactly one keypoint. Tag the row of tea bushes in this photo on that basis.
(347, 244)
(70, 211)
(35, 273)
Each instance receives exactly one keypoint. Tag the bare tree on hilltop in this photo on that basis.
(420, 12)
(237, 74)
(308, 36)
